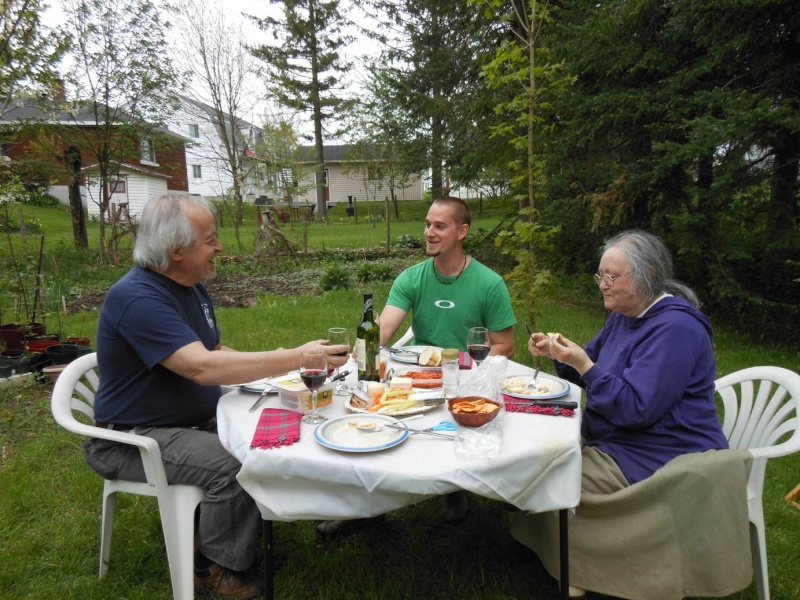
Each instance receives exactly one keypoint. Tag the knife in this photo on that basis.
(558, 403)
(261, 397)
(339, 376)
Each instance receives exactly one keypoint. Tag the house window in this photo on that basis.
(194, 130)
(197, 171)
(117, 187)
(148, 151)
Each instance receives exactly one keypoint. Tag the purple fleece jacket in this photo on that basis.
(650, 393)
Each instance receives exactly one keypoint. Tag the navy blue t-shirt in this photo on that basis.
(145, 318)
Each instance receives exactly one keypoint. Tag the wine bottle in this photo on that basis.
(368, 342)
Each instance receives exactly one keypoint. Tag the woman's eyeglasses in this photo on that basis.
(607, 279)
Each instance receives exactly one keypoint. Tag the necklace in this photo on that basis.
(442, 281)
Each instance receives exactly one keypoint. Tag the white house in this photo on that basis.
(344, 179)
(207, 165)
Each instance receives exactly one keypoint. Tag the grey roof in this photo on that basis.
(333, 153)
(76, 113)
(211, 113)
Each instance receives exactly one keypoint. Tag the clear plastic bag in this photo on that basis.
(485, 381)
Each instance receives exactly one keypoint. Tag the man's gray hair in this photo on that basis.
(163, 227)
(651, 265)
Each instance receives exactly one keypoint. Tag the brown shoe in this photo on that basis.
(220, 582)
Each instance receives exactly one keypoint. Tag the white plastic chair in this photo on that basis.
(405, 338)
(762, 415)
(74, 391)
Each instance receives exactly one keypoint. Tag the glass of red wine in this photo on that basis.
(338, 336)
(313, 372)
(478, 344)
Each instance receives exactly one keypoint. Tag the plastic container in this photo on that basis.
(295, 396)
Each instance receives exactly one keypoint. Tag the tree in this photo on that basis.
(214, 52)
(28, 53)
(379, 142)
(685, 120)
(305, 69)
(431, 65)
(123, 83)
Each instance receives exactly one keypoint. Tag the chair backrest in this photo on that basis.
(74, 391)
(762, 414)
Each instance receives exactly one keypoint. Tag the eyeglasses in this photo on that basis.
(607, 279)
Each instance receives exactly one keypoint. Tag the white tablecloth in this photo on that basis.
(538, 468)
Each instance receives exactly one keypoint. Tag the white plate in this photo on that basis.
(258, 387)
(339, 434)
(400, 413)
(411, 358)
(558, 388)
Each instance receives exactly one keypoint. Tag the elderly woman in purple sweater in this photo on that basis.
(648, 374)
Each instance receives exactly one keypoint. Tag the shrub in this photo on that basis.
(335, 278)
(375, 271)
(410, 242)
(44, 200)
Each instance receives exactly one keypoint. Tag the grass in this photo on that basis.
(50, 499)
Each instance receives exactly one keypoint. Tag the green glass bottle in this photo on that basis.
(368, 341)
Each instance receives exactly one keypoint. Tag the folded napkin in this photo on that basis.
(514, 405)
(464, 360)
(276, 427)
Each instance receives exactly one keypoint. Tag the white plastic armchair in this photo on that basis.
(762, 415)
(405, 338)
(74, 392)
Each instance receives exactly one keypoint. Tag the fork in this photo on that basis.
(535, 358)
(403, 351)
(415, 431)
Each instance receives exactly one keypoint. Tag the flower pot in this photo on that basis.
(33, 330)
(12, 335)
(20, 363)
(80, 341)
(5, 367)
(39, 345)
(53, 372)
(38, 362)
(62, 354)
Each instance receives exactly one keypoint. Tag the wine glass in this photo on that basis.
(478, 344)
(338, 336)
(313, 372)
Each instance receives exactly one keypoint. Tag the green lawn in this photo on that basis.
(50, 500)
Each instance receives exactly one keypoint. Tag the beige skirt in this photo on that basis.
(683, 532)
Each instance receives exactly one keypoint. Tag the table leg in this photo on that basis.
(269, 568)
(563, 542)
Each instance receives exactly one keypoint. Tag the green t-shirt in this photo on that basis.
(441, 315)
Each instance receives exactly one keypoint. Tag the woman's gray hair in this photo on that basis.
(163, 227)
(651, 265)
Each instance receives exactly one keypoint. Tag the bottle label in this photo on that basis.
(361, 354)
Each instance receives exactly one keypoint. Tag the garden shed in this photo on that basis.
(131, 184)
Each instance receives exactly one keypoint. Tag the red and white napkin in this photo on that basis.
(276, 427)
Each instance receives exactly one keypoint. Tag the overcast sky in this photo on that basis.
(54, 15)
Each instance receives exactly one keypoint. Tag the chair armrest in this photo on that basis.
(148, 448)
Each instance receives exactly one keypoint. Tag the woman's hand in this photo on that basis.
(539, 345)
(569, 353)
